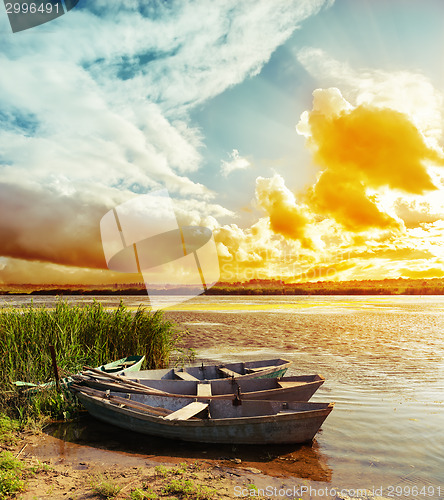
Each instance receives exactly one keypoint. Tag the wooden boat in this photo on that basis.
(128, 364)
(213, 421)
(270, 368)
(296, 388)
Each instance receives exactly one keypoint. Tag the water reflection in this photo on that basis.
(302, 461)
(383, 359)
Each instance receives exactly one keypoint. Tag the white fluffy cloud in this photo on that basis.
(95, 108)
(236, 162)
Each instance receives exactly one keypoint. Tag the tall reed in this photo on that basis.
(82, 335)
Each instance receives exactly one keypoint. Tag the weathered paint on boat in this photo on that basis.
(252, 422)
(295, 388)
(270, 368)
(128, 364)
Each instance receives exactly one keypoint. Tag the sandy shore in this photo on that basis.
(68, 471)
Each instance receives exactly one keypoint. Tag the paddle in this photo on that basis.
(148, 390)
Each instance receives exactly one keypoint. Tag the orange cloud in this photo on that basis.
(343, 196)
(360, 148)
(414, 214)
(381, 146)
(285, 216)
(432, 272)
(41, 225)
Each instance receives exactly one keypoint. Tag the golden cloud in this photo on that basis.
(360, 148)
(431, 272)
(286, 217)
(342, 196)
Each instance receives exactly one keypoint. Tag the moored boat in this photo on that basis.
(127, 364)
(295, 388)
(213, 421)
(269, 368)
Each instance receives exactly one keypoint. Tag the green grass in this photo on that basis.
(10, 475)
(82, 335)
(186, 489)
(105, 487)
(8, 430)
(163, 471)
(143, 494)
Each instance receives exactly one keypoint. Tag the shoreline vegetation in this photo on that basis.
(400, 286)
(81, 335)
(85, 334)
(90, 334)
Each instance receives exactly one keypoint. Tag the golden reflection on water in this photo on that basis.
(303, 461)
(383, 359)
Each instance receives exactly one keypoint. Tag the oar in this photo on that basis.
(148, 390)
(158, 410)
(128, 384)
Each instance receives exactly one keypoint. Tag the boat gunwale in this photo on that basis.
(266, 370)
(245, 395)
(145, 415)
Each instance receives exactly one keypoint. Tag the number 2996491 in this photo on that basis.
(31, 8)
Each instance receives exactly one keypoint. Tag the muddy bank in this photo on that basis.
(71, 462)
(67, 469)
(71, 471)
(69, 442)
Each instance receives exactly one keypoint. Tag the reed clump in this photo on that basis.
(81, 335)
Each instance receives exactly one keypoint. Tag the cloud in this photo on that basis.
(414, 212)
(359, 148)
(109, 112)
(412, 94)
(236, 162)
(20, 271)
(285, 216)
(426, 272)
(48, 226)
(257, 252)
(344, 198)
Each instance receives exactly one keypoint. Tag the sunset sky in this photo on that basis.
(306, 134)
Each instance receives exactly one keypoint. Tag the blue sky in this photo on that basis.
(203, 98)
(396, 35)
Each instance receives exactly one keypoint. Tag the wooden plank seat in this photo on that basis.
(254, 370)
(227, 372)
(286, 385)
(187, 411)
(183, 375)
(204, 389)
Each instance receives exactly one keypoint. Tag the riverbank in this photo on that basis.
(399, 286)
(54, 469)
(79, 334)
(93, 473)
(382, 359)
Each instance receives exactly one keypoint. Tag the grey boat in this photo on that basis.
(211, 421)
(296, 388)
(269, 368)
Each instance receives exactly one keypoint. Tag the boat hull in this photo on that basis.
(296, 388)
(245, 425)
(246, 370)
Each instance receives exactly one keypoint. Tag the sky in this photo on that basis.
(306, 134)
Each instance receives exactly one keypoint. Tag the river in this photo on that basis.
(383, 359)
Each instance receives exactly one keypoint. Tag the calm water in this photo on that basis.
(383, 358)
